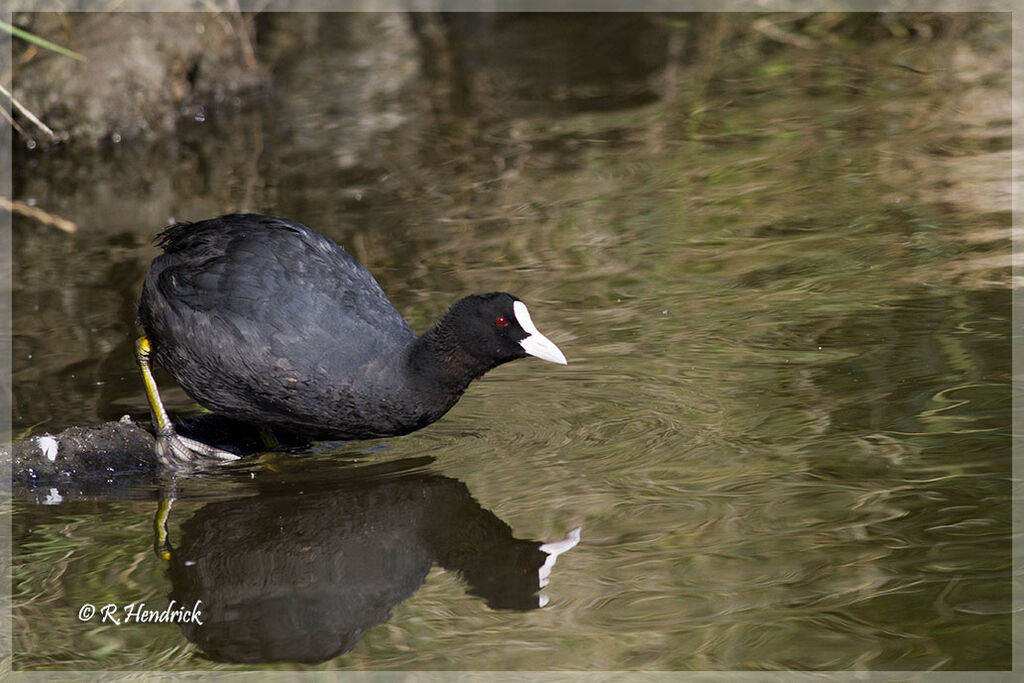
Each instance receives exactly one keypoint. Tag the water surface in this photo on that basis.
(780, 274)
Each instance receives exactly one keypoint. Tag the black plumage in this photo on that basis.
(265, 320)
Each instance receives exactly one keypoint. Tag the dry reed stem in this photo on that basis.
(26, 113)
(38, 214)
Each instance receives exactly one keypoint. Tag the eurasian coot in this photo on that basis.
(264, 320)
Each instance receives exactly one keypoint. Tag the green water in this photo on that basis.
(781, 276)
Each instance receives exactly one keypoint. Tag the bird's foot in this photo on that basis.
(180, 452)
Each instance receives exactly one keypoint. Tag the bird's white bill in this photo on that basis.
(535, 343)
(553, 550)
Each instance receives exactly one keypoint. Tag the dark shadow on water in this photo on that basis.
(299, 570)
(297, 553)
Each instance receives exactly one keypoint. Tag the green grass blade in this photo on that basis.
(41, 42)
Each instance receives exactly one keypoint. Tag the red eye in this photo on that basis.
(501, 322)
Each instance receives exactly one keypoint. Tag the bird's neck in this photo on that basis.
(440, 363)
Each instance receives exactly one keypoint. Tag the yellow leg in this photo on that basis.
(172, 449)
(269, 439)
(161, 422)
(161, 543)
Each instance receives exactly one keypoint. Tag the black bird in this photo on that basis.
(266, 321)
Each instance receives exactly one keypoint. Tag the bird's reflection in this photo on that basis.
(300, 571)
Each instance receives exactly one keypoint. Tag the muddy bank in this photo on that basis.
(142, 73)
(112, 457)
